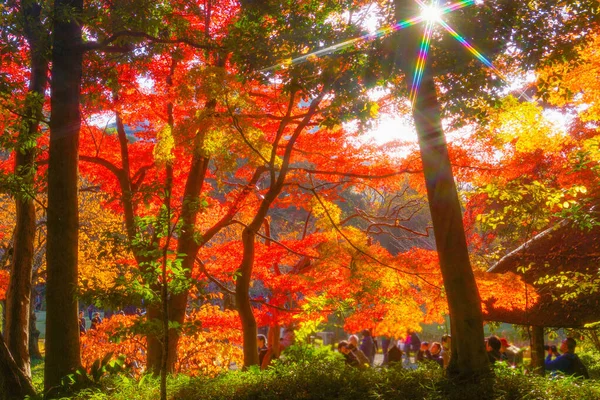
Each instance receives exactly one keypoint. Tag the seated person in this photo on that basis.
(568, 363)
(423, 352)
(350, 358)
(358, 353)
(435, 354)
(493, 349)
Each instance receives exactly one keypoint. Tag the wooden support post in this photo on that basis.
(537, 349)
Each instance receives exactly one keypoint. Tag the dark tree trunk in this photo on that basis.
(537, 350)
(62, 328)
(469, 358)
(19, 291)
(14, 384)
(242, 297)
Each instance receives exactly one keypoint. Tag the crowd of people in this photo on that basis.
(411, 351)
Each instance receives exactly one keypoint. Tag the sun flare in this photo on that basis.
(432, 13)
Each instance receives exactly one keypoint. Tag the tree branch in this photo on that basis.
(103, 45)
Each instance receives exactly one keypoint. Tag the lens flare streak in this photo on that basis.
(480, 56)
(423, 49)
(369, 36)
(421, 60)
(336, 47)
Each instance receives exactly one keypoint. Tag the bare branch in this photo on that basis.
(271, 240)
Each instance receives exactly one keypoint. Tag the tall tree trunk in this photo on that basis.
(62, 328)
(19, 291)
(537, 350)
(469, 358)
(14, 384)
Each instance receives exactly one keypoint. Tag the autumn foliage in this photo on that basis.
(211, 342)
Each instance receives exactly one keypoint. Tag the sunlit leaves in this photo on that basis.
(574, 82)
(163, 151)
(524, 124)
(208, 345)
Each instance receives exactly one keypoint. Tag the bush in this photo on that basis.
(319, 373)
(591, 359)
(307, 373)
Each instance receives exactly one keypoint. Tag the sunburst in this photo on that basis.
(431, 15)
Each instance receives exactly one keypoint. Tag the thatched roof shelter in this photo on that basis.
(564, 248)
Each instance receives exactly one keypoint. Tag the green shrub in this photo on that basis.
(591, 359)
(309, 373)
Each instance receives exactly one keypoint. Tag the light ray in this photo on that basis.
(336, 47)
(421, 60)
(370, 36)
(479, 56)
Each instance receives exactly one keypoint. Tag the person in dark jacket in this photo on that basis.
(82, 328)
(493, 349)
(394, 355)
(415, 342)
(423, 352)
(358, 353)
(368, 346)
(350, 358)
(385, 346)
(96, 320)
(262, 348)
(568, 363)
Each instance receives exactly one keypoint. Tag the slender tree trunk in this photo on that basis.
(19, 291)
(165, 287)
(188, 244)
(538, 355)
(242, 299)
(62, 328)
(14, 384)
(244, 272)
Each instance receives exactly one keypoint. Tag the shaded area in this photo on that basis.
(563, 248)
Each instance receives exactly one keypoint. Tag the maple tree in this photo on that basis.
(181, 127)
(209, 343)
